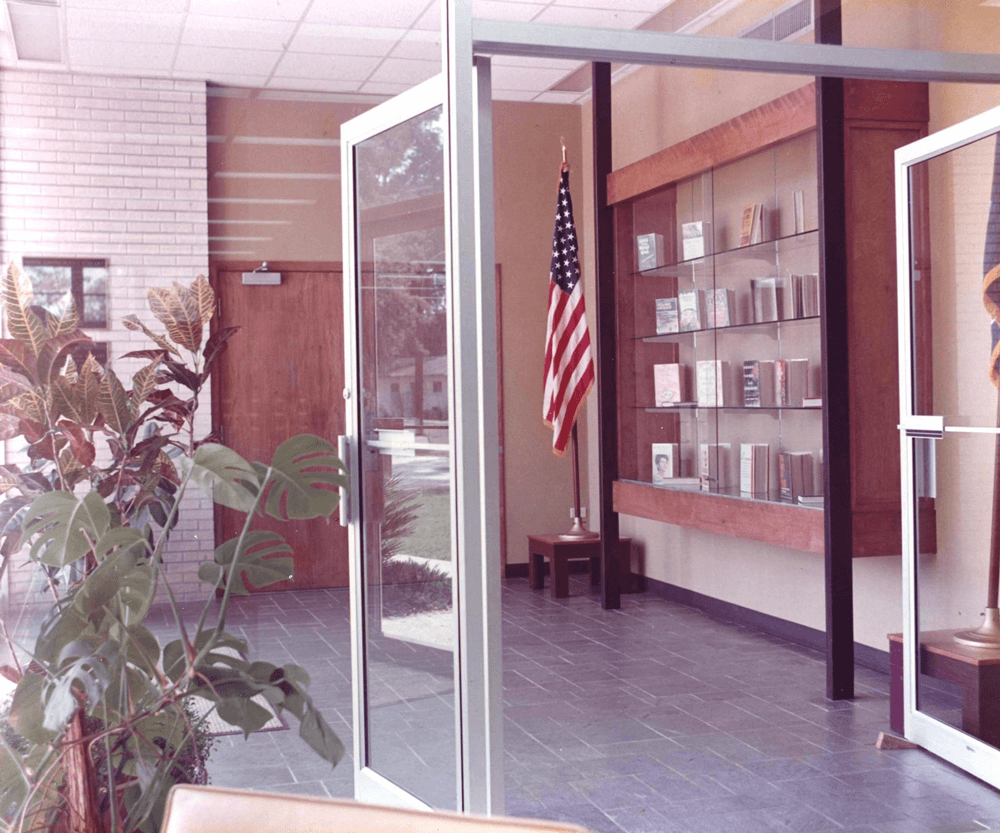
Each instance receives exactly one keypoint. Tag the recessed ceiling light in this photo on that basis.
(36, 27)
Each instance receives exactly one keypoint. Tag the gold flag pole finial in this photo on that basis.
(565, 164)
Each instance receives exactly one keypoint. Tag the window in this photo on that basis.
(85, 281)
(437, 387)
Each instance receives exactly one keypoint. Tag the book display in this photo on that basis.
(720, 345)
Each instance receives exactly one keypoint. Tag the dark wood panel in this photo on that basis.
(886, 101)
(773, 523)
(783, 118)
(880, 531)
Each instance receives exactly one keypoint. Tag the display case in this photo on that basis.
(720, 313)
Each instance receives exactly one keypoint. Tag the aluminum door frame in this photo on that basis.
(474, 472)
(965, 751)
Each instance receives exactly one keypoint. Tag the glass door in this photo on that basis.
(400, 440)
(948, 247)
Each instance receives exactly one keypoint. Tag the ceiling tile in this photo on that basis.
(120, 57)
(557, 98)
(380, 13)
(253, 9)
(543, 63)
(331, 39)
(430, 19)
(200, 30)
(406, 71)
(500, 10)
(420, 45)
(145, 27)
(648, 6)
(226, 78)
(338, 67)
(525, 78)
(318, 84)
(134, 6)
(212, 59)
(384, 88)
(598, 18)
(513, 95)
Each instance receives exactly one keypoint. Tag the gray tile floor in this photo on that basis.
(650, 718)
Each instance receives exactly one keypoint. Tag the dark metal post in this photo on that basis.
(836, 411)
(607, 383)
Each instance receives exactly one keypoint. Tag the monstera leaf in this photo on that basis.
(87, 665)
(66, 526)
(303, 479)
(229, 478)
(256, 564)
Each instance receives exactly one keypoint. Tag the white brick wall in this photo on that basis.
(108, 167)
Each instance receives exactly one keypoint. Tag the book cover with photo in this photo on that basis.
(666, 462)
(693, 236)
(691, 310)
(650, 248)
(666, 316)
(720, 307)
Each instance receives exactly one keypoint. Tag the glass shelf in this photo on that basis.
(759, 325)
(733, 493)
(694, 406)
(768, 247)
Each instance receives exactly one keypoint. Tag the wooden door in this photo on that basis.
(283, 374)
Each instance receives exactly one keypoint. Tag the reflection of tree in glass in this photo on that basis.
(403, 163)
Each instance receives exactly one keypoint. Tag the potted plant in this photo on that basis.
(101, 724)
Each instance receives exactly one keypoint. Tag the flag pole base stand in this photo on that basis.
(577, 531)
(986, 635)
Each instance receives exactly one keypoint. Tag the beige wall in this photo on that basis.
(250, 133)
(654, 108)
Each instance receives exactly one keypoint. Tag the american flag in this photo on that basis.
(569, 366)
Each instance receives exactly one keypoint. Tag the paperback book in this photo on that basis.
(791, 382)
(666, 316)
(691, 309)
(713, 383)
(666, 462)
(758, 384)
(768, 296)
(693, 240)
(650, 248)
(713, 466)
(754, 469)
(668, 384)
(799, 208)
(720, 307)
(795, 475)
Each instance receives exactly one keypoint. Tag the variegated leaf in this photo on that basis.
(67, 401)
(29, 405)
(132, 322)
(68, 322)
(143, 383)
(13, 382)
(204, 297)
(114, 404)
(51, 353)
(18, 357)
(81, 448)
(8, 480)
(10, 427)
(70, 372)
(22, 322)
(177, 309)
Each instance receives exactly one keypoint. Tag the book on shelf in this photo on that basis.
(754, 469)
(799, 210)
(691, 309)
(757, 226)
(666, 316)
(812, 402)
(720, 307)
(713, 466)
(669, 386)
(747, 224)
(758, 384)
(768, 296)
(810, 295)
(666, 462)
(650, 248)
(795, 475)
(693, 239)
(815, 501)
(791, 382)
(713, 384)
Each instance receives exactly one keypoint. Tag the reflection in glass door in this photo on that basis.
(404, 613)
(948, 219)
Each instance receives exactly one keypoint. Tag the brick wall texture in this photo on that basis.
(110, 167)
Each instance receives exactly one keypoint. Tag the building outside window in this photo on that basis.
(84, 280)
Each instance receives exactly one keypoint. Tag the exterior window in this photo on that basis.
(437, 387)
(86, 281)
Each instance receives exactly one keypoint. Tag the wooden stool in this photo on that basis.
(560, 551)
(976, 670)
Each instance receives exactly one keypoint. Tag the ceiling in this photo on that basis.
(346, 47)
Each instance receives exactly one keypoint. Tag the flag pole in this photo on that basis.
(578, 528)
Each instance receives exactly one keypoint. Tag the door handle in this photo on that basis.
(344, 453)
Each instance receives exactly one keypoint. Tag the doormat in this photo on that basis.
(218, 727)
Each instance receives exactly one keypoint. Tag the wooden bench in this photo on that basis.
(560, 551)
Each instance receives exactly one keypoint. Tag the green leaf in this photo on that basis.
(27, 713)
(303, 479)
(84, 666)
(14, 782)
(245, 713)
(313, 728)
(66, 526)
(256, 563)
(114, 404)
(223, 474)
